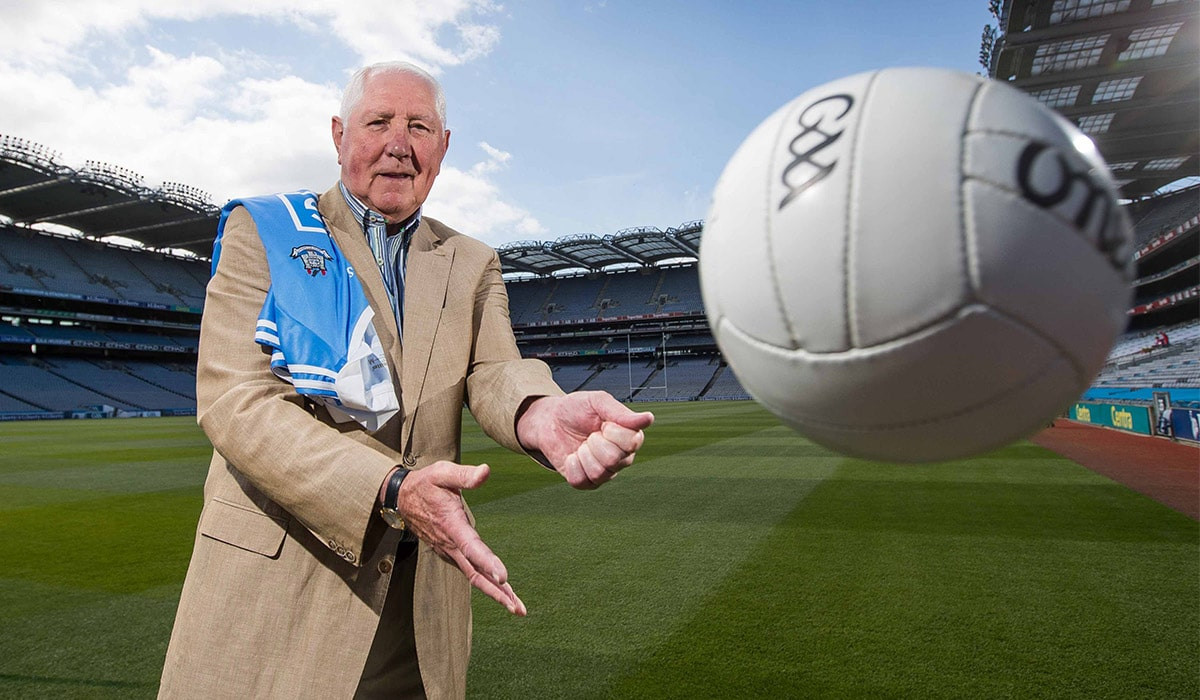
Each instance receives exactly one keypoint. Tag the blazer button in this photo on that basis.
(409, 460)
(350, 557)
(385, 566)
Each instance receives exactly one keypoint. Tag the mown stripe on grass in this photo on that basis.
(943, 583)
(678, 427)
(66, 642)
(117, 476)
(607, 575)
(52, 445)
(121, 544)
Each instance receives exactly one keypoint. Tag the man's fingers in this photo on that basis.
(610, 409)
(458, 476)
(483, 560)
(597, 471)
(607, 454)
(467, 550)
(573, 471)
(502, 594)
(627, 439)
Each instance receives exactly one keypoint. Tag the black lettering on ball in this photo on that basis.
(1097, 200)
(807, 156)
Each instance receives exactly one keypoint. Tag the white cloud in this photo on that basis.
(229, 120)
(496, 160)
(471, 203)
(45, 32)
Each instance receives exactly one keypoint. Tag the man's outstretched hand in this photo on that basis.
(587, 436)
(430, 501)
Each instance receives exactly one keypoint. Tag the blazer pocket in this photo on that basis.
(241, 527)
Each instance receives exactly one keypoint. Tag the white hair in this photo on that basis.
(354, 89)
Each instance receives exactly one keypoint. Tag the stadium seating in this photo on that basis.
(629, 294)
(1134, 343)
(1165, 212)
(34, 383)
(67, 384)
(575, 298)
(681, 380)
(1135, 362)
(571, 376)
(680, 291)
(617, 377)
(57, 264)
(637, 292)
(726, 386)
(528, 298)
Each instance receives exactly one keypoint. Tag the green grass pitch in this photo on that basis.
(735, 559)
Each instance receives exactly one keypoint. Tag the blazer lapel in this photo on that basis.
(425, 283)
(348, 235)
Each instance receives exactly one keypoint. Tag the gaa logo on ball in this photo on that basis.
(915, 264)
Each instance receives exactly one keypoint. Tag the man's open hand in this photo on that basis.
(430, 501)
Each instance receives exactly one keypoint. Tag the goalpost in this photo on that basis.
(660, 354)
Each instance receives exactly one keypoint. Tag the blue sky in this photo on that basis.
(567, 117)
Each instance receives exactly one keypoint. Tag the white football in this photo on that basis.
(916, 264)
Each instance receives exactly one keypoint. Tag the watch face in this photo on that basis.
(392, 518)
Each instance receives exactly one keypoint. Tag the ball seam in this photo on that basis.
(768, 220)
(849, 289)
(967, 237)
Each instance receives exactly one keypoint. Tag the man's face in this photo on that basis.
(391, 146)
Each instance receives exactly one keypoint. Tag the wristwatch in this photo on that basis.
(391, 496)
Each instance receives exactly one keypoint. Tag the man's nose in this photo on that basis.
(398, 145)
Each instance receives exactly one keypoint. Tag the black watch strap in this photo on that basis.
(392, 493)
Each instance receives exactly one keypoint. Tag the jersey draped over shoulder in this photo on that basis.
(316, 319)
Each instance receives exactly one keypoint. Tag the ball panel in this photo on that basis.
(1034, 266)
(809, 188)
(1061, 179)
(941, 371)
(735, 258)
(908, 265)
(987, 426)
(1005, 109)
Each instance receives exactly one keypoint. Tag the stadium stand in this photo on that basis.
(572, 376)
(725, 386)
(620, 379)
(1158, 216)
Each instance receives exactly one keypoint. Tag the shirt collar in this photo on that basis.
(368, 218)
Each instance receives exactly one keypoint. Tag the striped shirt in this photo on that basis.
(390, 252)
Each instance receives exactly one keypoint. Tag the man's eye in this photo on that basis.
(418, 126)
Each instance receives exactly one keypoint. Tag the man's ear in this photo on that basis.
(337, 129)
(447, 141)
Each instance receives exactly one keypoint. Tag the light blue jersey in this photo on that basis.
(316, 318)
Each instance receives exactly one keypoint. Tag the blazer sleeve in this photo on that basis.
(325, 478)
(499, 380)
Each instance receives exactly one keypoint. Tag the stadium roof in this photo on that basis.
(642, 246)
(1127, 72)
(101, 200)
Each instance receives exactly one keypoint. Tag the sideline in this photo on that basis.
(1168, 472)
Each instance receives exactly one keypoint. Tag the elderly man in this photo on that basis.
(341, 336)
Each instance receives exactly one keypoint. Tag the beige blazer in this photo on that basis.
(291, 562)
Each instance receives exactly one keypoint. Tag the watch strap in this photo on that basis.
(391, 494)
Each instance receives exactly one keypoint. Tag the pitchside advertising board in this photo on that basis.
(1185, 424)
(1135, 419)
(1161, 419)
